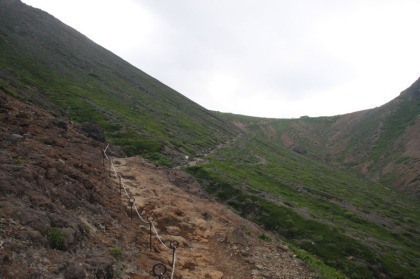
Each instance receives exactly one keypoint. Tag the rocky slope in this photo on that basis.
(62, 215)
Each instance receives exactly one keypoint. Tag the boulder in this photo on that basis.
(237, 236)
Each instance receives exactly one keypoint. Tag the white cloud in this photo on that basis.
(270, 58)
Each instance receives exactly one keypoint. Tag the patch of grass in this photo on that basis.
(118, 272)
(9, 91)
(319, 267)
(158, 158)
(116, 253)
(134, 144)
(264, 236)
(56, 238)
(19, 160)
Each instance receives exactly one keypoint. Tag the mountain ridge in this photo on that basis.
(362, 141)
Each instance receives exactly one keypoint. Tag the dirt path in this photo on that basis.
(202, 159)
(214, 242)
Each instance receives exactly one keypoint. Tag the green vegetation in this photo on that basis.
(6, 89)
(118, 273)
(264, 236)
(137, 112)
(116, 253)
(19, 160)
(56, 238)
(319, 267)
(275, 194)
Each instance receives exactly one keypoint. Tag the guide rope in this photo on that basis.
(109, 159)
(158, 237)
(173, 264)
(106, 156)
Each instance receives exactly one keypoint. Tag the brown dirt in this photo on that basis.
(286, 140)
(215, 243)
(411, 140)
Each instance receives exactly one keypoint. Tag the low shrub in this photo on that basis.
(264, 236)
(56, 238)
(116, 253)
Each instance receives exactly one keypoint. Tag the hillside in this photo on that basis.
(354, 224)
(62, 216)
(329, 187)
(53, 65)
(381, 143)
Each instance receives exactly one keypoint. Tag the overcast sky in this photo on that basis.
(270, 58)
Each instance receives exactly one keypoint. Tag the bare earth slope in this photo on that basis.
(62, 216)
(215, 243)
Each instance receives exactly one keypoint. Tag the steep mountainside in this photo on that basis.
(324, 185)
(49, 62)
(383, 143)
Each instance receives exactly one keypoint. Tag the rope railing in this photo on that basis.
(173, 264)
(158, 237)
(141, 218)
(121, 178)
(106, 156)
(131, 199)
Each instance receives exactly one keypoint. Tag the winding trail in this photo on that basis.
(202, 159)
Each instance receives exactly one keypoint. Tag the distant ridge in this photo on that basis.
(381, 143)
